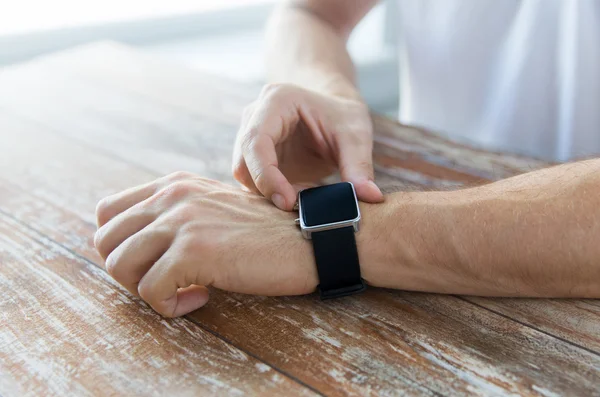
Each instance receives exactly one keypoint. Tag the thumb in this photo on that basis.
(356, 166)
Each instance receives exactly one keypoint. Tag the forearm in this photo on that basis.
(536, 234)
(305, 49)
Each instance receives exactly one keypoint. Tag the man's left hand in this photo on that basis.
(168, 240)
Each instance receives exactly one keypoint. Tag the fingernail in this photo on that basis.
(374, 185)
(278, 200)
(376, 189)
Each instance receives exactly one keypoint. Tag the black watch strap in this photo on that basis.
(337, 262)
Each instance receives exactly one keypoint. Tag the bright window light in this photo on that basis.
(26, 16)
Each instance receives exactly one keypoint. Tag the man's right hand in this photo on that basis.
(291, 135)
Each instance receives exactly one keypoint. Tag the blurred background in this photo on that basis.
(223, 37)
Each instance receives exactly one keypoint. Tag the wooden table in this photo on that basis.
(80, 125)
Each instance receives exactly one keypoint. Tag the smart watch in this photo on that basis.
(330, 216)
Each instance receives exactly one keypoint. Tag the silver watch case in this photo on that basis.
(308, 230)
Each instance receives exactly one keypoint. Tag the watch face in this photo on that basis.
(328, 204)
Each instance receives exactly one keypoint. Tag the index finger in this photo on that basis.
(258, 148)
(111, 206)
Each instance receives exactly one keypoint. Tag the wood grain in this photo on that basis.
(575, 320)
(69, 329)
(89, 122)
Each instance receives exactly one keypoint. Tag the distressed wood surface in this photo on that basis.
(79, 125)
(69, 329)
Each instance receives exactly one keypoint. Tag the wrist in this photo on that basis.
(328, 83)
(338, 85)
(404, 243)
(373, 243)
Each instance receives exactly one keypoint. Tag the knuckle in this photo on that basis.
(200, 244)
(249, 137)
(254, 141)
(222, 196)
(179, 176)
(98, 237)
(99, 242)
(111, 265)
(146, 291)
(102, 244)
(103, 210)
(276, 92)
(270, 89)
(176, 191)
(237, 170)
(249, 140)
(248, 111)
(262, 182)
(159, 232)
(205, 183)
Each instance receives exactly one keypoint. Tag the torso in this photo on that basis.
(522, 76)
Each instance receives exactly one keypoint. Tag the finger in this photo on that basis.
(190, 299)
(121, 227)
(242, 175)
(239, 168)
(356, 166)
(185, 301)
(160, 286)
(258, 149)
(131, 260)
(112, 206)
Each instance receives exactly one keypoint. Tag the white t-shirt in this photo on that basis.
(515, 75)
